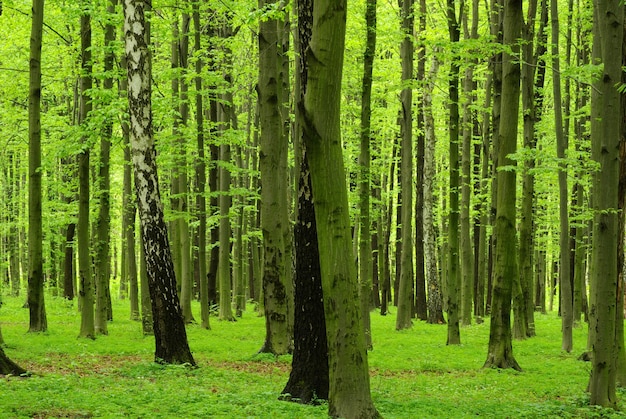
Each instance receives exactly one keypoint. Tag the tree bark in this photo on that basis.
(500, 350)
(454, 334)
(36, 304)
(349, 393)
(365, 243)
(85, 278)
(168, 323)
(273, 167)
(605, 141)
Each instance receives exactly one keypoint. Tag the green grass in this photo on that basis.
(413, 373)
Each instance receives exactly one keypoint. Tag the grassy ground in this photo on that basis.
(413, 373)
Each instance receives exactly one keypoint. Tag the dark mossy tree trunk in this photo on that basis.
(273, 168)
(366, 259)
(349, 389)
(36, 305)
(453, 284)
(309, 377)
(605, 143)
(168, 324)
(500, 350)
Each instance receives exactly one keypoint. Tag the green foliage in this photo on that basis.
(413, 372)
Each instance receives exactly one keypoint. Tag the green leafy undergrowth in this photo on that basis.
(413, 373)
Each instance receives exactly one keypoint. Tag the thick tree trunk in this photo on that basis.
(274, 206)
(168, 323)
(309, 377)
(605, 139)
(349, 392)
(500, 350)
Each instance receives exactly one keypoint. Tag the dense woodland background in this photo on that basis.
(424, 143)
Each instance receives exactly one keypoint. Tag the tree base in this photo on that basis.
(502, 363)
(8, 367)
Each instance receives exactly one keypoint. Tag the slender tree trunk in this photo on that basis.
(454, 335)
(200, 167)
(566, 305)
(85, 279)
(365, 243)
(103, 229)
(421, 308)
(466, 251)
(168, 323)
(435, 303)
(500, 350)
(36, 305)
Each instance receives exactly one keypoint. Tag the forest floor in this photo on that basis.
(413, 373)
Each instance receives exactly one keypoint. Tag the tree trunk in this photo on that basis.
(85, 278)
(454, 334)
(365, 243)
(103, 229)
(500, 351)
(349, 393)
(8, 367)
(435, 304)
(605, 139)
(309, 377)
(274, 206)
(405, 288)
(200, 167)
(168, 323)
(36, 306)
(565, 305)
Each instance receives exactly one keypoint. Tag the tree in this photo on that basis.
(85, 279)
(566, 305)
(365, 242)
(7, 366)
(405, 290)
(349, 393)
(273, 165)
(605, 139)
(500, 350)
(36, 304)
(454, 334)
(103, 233)
(169, 327)
(309, 377)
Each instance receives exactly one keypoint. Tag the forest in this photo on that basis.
(371, 209)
